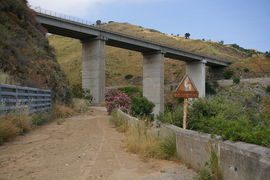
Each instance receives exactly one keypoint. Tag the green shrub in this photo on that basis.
(221, 42)
(41, 118)
(210, 87)
(236, 80)
(267, 55)
(203, 175)
(129, 76)
(268, 89)
(246, 70)
(212, 170)
(168, 147)
(172, 115)
(79, 92)
(228, 74)
(142, 107)
(230, 120)
(131, 91)
(153, 30)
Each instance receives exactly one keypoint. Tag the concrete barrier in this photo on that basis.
(237, 161)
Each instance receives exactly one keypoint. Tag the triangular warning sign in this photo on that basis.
(186, 89)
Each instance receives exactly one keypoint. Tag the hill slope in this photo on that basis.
(120, 62)
(25, 54)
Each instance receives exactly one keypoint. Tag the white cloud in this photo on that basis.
(79, 8)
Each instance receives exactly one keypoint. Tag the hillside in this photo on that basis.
(68, 52)
(206, 48)
(26, 58)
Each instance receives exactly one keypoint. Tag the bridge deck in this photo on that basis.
(68, 28)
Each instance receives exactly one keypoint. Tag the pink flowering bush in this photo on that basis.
(117, 99)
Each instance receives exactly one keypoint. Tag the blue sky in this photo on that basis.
(244, 22)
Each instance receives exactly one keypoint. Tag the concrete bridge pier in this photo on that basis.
(153, 79)
(196, 71)
(93, 68)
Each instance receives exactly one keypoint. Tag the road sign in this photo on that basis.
(186, 89)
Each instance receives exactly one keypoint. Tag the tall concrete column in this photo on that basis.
(153, 79)
(196, 71)
(93, 68)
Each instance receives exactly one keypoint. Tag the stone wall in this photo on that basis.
(237, 161)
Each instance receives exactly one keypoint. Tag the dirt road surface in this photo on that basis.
(81, 148)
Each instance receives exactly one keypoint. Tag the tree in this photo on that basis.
(98, 22)
(221, 42)
(187, 35)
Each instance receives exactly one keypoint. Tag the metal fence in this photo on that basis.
(18, 98)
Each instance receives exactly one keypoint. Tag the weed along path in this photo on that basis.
(81, 147)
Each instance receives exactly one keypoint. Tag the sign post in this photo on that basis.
(186, 89)
(185, 113)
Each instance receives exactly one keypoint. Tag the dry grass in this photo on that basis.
(258, 66)
(80, 105)
(14, 124)
(7, 130)
(142, 139)
(60, 111)
(5, 78)
(20, 122)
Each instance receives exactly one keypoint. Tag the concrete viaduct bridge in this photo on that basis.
(93, 41)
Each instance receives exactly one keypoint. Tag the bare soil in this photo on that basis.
(81, 147)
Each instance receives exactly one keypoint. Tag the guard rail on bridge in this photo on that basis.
(18, 98)
(63, 16)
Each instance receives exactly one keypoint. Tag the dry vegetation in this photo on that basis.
(207, 48)
(25, 55)
(13, 124)
(143, 140)
(256, 66)
(19, 122)
(68, 52)
(120, 62)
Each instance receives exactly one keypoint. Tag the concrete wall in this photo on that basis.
(238, 161)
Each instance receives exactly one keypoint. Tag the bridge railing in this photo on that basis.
(63, 16)
(17, 98)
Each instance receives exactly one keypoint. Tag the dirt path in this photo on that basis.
(82, 147)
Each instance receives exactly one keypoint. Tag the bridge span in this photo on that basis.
(93, 41)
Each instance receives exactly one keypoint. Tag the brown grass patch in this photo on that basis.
(143, 140)
(60, 111)
(14, 124)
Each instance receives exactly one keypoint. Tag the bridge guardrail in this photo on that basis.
(13, 98)
(63, 16)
